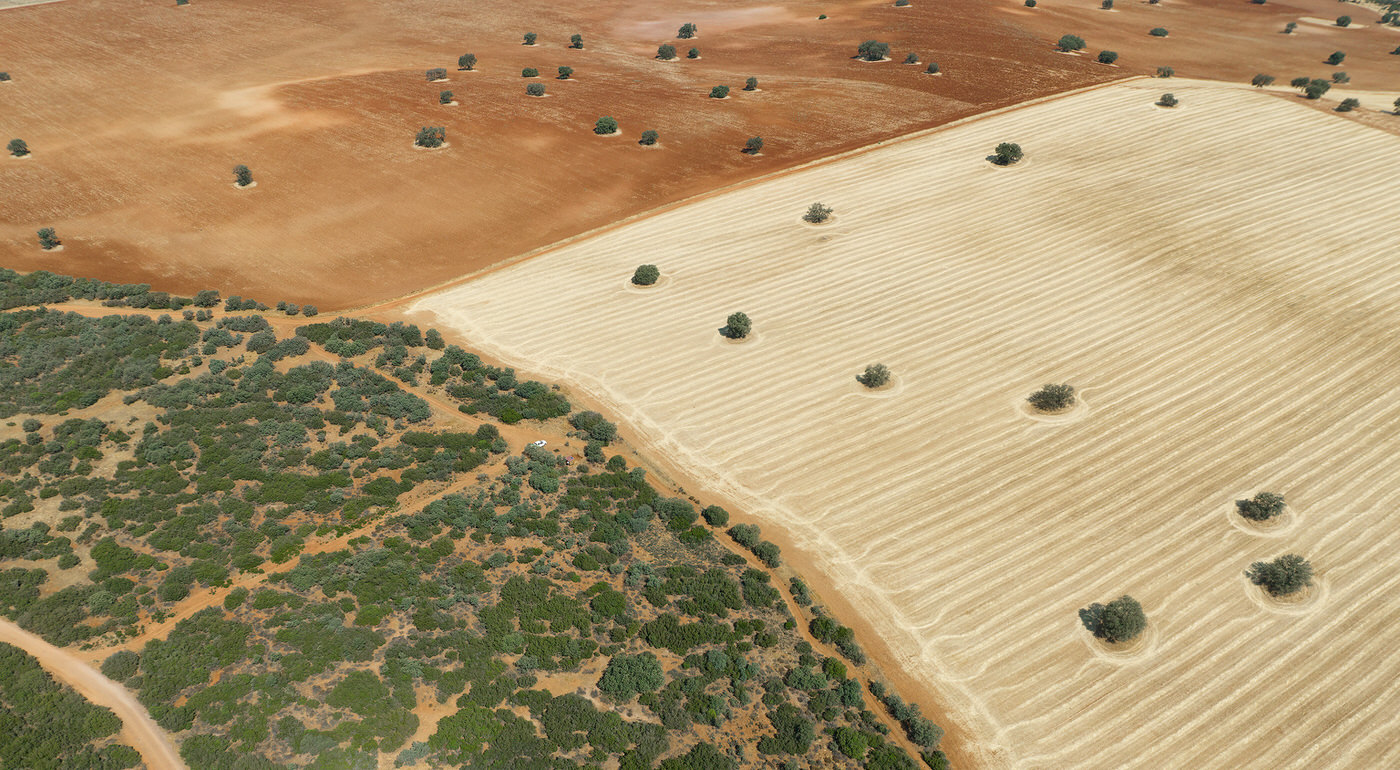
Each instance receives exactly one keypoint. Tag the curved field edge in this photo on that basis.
(1148, 256)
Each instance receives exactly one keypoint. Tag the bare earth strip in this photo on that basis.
(1218, 280)
(137, 728)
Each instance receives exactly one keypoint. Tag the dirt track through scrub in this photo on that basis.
(137, 727)
(1217, 281)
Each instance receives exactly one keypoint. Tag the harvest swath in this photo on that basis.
(1217, 282)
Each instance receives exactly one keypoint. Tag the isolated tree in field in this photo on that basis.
(1030, 3)
(737, 326)
(1396, 105)
(565, 72)
(875, 376)
(605, 125)
(1052, 397)
(901, 3)
(18, 148)
(529, 72)
(719, 92)
(932, 68)
(649, 138)
(646, 275)
(1396, 52)
(1167, 100)
(431, 136)
(1344, 21)
(4, 77)
(1069, 43)
(576, 40)
(1285, 575)
(534, 89)
(1341, 77)
(530, 38)
(693, 53)
(873, 50)
(1165, 72)
(687, 31)
(1300, 82)
(1107, 57)
(1158, 32)
(666, 52)
(751, 84)
(444, 97)
(242, 176)
(754, 145)
(911, 58)
(437, 73)
(1261, 80)
(48, 239)
(817, 213)
(1261, 507)
(1316, 88)
(1336, 57)
(1107, 5)
(466, 61)
(1121, 620)
(1007, 153)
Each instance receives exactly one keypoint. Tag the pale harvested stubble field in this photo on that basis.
(1219, 281)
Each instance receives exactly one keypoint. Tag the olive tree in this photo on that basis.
(1336, 57)
(737, 326)
(875, 376)
(1069, 43)
(1285, 575)
(242, 176)
(534, 89)
(719, 92)
(444, 97)
(693, 53)
(1121, 620)
(751, 84)
(1344, 21)
(1300, 82)
(4, 77)
(466, 61)
(1158, 32)
(48, 238)
(666, 52)
(1316, 88)
(1261, 80)
(1348, 105)
(529, 72)
(1261, 507)
(817, 213)
(1289, 27)
(1167, 100)
(873, 50)
(754, 145)
(911, 58)
(530, 38)
(646, 275)
(649, 138)
(687, 31)
(1165, 72)
(565, 73)
(575, 40)
(932, 68)
(436, 73)
(605, 125)
(1052, 397)
(18, 148)
(1108, 57)
(431, 136)
(1007, 153)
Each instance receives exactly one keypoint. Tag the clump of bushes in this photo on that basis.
(719, 92)
(817, 213)
(1316, 88)
(431, 136)
(1052, 397)
(595, 425)
(1158, 32)
(649, 138)
(911, 58)
(565, 72)
(646, 275)
(1068, 43)
(534, 89)
(1288, 574)
(1121, 620)
(437, 73)
(605, 126)
(754, 145)
(666, 52)
(1261, 507)
(874, 376)
(873, 50)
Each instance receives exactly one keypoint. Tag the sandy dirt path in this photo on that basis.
(138, 729)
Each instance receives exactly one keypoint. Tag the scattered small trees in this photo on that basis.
(466, 61)
(444, 97)
(1344, 21)
(719, 92)
(530, 38)
(666, 52)
(817, 213)
(242, 176)
(1052, 397)
(754, 145)
(875, 376)
(529, 72)
(1316, 88)
(1158, 32)
(1107, 57)
(646, 275)
(873, 50)
(605, 126)
(1261, 507)
(576, 40)
(932, 68)
(565, 72)
(648, 139)
(1285, 575)
(431, 137)
(534, 89)
(18, 148)
(1261, 80)
(1068, 43)
(1121, 620)
(693, 53)
(911, 58)
(737, 326)
(1289, 27)
(48, 239)
(751, 84)
(1336, 57)
(1007, 153)
(1165, 72)
(436, 73)
(1167, 100)
(687, 31)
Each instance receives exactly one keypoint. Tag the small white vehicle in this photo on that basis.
(541, 442)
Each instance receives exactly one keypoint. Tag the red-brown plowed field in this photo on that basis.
(137, 113)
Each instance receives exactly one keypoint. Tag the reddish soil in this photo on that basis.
(137, 113)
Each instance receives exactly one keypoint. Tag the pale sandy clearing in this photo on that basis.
(137, 728)
(1229, 303)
